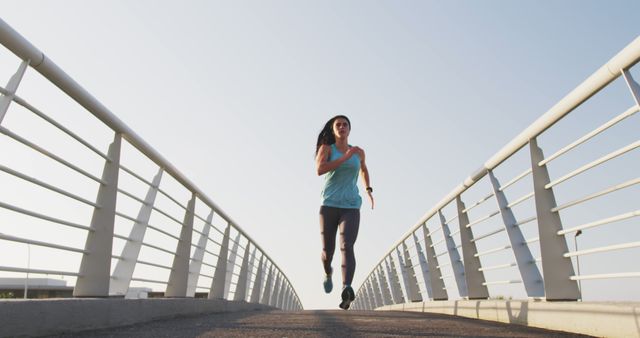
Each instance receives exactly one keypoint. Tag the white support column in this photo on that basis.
(241, 286)
(475, 277)
(384, 286)
(555, 267)
(375, 298)
(411, 282)
(123, 271)
(276, 290)
(250, 268)
(231, 266)
(424, 268)
(363, 298)
(435, 274)
(289, 302)
(95, 267)
(279, 299)
(217, 284)
(631, 83)
(371, 297)
(257, 284)
(376, 289)
(454, 256)
(402, 275)
(179, 277)
(284, 293)
(266, 296)
(394, 281)
(198, 256)
(366, 300)
(531, 277)
(12, 87)
(292, 298)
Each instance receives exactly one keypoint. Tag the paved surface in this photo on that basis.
(322, 324)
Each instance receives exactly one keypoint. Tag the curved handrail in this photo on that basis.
(626, 58)
(21, 47)
(616, 67)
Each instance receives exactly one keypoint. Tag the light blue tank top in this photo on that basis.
(340, 185)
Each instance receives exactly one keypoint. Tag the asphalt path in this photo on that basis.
(322, 324)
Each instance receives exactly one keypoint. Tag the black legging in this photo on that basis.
(349, 221)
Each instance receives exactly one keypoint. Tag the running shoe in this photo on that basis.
(348, 296)
(328, 283)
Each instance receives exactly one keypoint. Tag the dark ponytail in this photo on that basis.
(326, 136)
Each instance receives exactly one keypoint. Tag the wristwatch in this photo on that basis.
(369, 189)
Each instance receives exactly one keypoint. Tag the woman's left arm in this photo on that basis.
(364, 174)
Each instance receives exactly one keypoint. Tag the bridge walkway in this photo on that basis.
(322, 323)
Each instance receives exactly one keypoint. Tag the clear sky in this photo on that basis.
(234, 94)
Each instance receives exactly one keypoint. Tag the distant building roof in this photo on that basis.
(34, 283)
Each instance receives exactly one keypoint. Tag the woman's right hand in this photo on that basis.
(353, 150)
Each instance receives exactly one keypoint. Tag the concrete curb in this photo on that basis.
(602, 319)
(55, 316)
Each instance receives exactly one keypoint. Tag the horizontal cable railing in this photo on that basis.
(140, 231)
(473, 259)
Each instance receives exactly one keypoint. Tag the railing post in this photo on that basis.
(12, 87)
(435, 274)
(556, 268)
(410, 280)
(231, 266)
(375, 298)
(290, 299)
(274, 293)
(376, 289)
(123, 271)
(274, 287)
(394, 280)
(285, 293)
(363, 297)
(257, 284)
(95, 267)
(266, 296)
(529, 272)
(250, 268)
(241, 286)
(475, 277)
(179, 277)
(360, 300)
(454, 256)
(631, 83)
(217, 284)
(372, 297)
(280, 293)
(198, 255)
(424, 268)
(384, 286)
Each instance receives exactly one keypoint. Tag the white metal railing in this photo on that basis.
(430, 265)
(181, 250)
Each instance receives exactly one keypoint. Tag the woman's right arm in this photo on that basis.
(323, 165)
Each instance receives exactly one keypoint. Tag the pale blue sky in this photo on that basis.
(234, 93)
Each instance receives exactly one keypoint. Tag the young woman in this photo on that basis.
(341, 202)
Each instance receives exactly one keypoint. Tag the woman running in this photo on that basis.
(341, 202)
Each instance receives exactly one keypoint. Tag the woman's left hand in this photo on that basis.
(370, 194)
